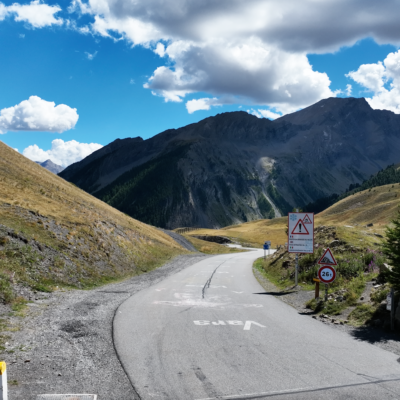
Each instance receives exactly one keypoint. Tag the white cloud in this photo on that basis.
(261, 113)
(348, 90)
(160, 49)
(132, 82)
(374, 77)
(251, 72)
(371, 76)
(253, 50)
(84, 30)
(15, 149)
(3, 11)
(91, 56)
(201, 104)
(61, 153)
(36, 13)
(36, 114)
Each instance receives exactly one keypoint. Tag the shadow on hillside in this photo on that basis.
(374, 335)
(275, 293)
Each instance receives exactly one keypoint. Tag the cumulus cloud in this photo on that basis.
(3, 11)
(253, 50)
(36, 114)
(201, 104)
(262, 113)
(62, 153)
(160, 49)
(36, 13)
(383, 79)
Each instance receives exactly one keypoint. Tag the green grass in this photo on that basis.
(362, 314)
(273, 273)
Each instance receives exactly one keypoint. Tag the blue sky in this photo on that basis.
(97, 60)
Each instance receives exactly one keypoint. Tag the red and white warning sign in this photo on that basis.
(301, 233)
(326, 274)
(327, 258)
(307, 219)
(300, 228)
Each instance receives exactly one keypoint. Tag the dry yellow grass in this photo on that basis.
(378, 206)
(210, 247)
(30, 186)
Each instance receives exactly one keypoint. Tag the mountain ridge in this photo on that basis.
(50, 166)
(237, 167)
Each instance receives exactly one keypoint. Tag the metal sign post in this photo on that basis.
(326, 274)
(266, 247)
(326, 291)
(301, 236)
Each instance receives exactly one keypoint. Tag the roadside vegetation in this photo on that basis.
(361, 265)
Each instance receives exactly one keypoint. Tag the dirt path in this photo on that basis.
(65, 342)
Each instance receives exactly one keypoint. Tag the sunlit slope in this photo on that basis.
(253, 233)
(377, 206)
(98, 241)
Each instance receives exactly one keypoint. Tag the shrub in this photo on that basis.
(391, 248)
(6, 292)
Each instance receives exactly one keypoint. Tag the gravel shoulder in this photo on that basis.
(64, 344)
(296, 297)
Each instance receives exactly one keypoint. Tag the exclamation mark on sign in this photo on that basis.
(300, 228)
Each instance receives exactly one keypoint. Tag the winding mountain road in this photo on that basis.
(210, 332)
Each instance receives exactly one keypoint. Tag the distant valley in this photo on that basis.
(234, 167)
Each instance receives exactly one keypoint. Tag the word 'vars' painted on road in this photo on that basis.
(247, 324)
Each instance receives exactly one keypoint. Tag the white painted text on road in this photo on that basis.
(247, 324)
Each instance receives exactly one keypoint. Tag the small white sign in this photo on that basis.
(301, 233)
(389, 302)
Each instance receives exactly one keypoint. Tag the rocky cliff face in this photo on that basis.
(235, 167)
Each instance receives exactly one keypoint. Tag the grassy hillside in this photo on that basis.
(351, 215)
(52, 233)
(389, 175)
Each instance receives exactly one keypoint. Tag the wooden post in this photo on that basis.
(316, 288)
(392, 309)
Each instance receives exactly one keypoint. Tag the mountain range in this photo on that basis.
(52, 167)
(235, 167)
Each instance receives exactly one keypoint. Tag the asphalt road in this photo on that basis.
(210, 332)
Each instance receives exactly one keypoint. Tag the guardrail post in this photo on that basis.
(3, 382)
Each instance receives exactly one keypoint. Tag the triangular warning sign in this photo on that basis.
(300, 228)
(327, 258)
(307, 219)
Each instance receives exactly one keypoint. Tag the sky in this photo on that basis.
(76, 75)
